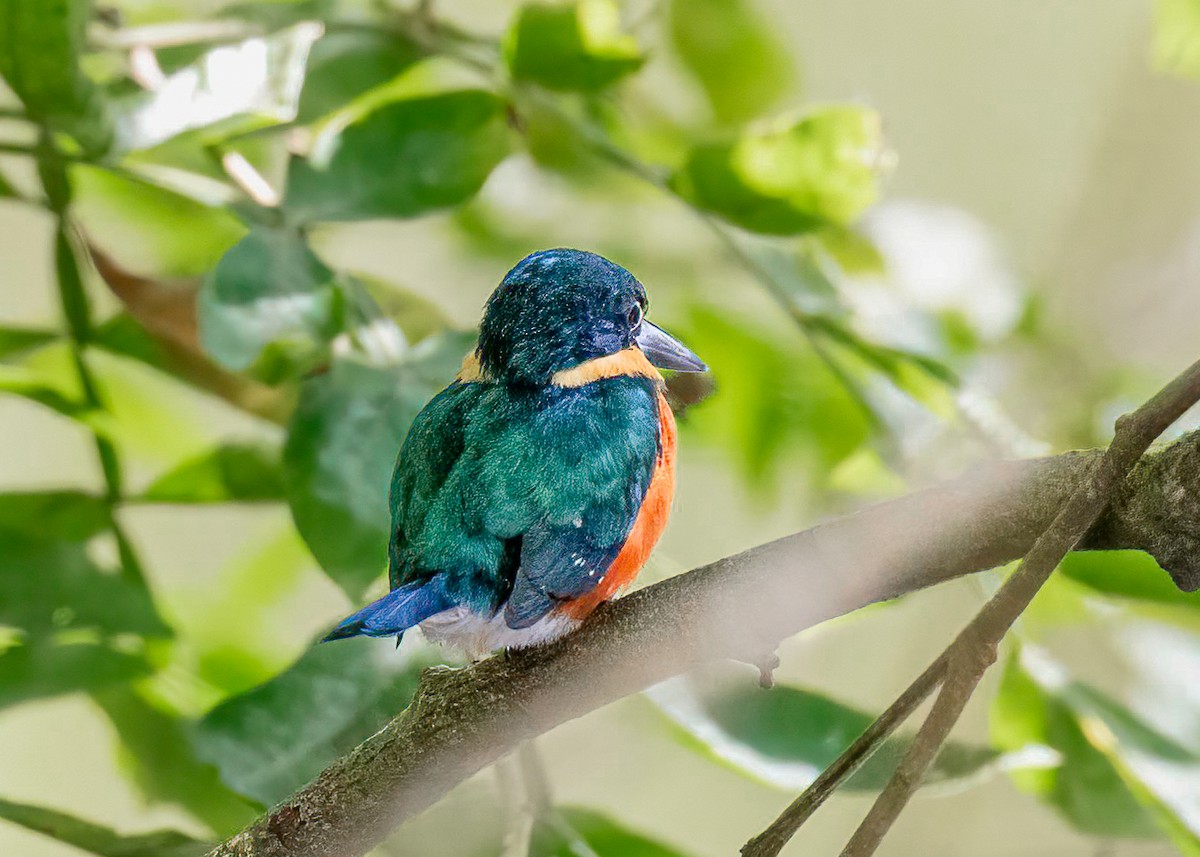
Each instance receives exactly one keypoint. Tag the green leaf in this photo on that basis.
(155, 750)
(572, 46)
(44, 390)
(149, 229)
(273, 739)
(125, 337)
(71, 515)
(1177, 37)
(341, 448)
(1126, 574)
(754, 732)
(270, 301)
(49, 585)
(225, 474)
(776, 398)
(14, 341)
(741, 65)
(1110, 772)
(232, 88)
(97, 839)
(344, 65)
(41, 43)
(575, 831)
(439, 150)
(44, 669)
(796, 175)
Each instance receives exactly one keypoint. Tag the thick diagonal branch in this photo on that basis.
(737, 607)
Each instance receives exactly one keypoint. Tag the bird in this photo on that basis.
(533, 488)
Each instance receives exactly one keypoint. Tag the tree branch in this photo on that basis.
(973, 650)
(462, 720)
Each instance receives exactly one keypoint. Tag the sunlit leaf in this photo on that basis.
(439, 150)
(155, 751)
(70, 515)
(739, 62)
(1126, 574)
(123, 336)
(1112, 775)
(774, 398)
(97, 839)
(43, 669)
(579, 832)
(50, 585)
(794, 175)
(269, 293)
(46, 391)
(269, 741)
(341, 448)
(41, 42)
(755, 732)
(147, 228)
(228, 473)
(344, 65)
(1177, 37)
(235, 87)
(571, 46)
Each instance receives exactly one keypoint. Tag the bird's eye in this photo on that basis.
(635, 316)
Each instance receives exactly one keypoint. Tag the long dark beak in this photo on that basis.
(665, 351)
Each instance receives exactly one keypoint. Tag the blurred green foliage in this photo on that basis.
(198, 195)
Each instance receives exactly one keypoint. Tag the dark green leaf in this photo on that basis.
(344, 65)
(738, 61)
(793, 176)
(574, 831)
(96, 839)
(754, 731)
(17, 340)
(270, 301)
(1126, 574)
(1036, 707)
(439, 150)
(576, 46)
(42, 669)
(228, 473)
(71, 515)
(156, 751)
(271, 740)
(341, 448)
(231, 88)
(1177, 37)
(49, 585)
(41, 43)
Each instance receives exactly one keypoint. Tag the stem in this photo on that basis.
(770, 841)
(974, 650)
(77, 313)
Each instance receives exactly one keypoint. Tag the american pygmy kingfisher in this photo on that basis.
(534, 487)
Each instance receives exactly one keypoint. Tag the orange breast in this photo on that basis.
(647, 527)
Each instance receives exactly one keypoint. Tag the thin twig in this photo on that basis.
(973, 650)
(771, 840)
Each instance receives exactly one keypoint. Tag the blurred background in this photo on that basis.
(907, 236)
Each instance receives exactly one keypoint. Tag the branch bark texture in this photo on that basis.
(739, 607)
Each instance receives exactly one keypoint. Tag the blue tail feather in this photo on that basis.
(396, 612)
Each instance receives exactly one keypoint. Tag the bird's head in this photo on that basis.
(559, 309)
